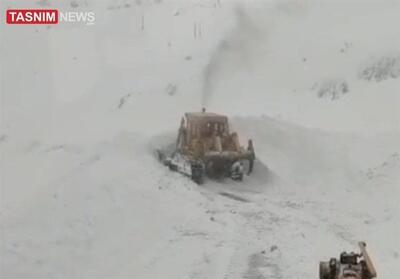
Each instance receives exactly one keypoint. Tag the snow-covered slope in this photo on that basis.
(313, 83)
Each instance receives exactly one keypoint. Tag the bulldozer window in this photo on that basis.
(213, 128)
(207, 130)
(193, 130)
(220, 130)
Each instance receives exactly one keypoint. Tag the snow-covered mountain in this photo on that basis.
(315, 84)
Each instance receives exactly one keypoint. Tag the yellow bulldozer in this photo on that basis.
(206, 147)
(349, 266)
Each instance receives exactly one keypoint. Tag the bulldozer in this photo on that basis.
(205, 147)
(349, 266)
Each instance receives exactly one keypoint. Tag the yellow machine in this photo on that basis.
(206, 146)
(349, 266)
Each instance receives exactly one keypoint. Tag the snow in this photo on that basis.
(84, 107)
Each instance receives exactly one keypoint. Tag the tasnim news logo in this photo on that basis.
(47, 16)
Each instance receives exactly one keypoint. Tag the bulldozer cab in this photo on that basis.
(204, 125)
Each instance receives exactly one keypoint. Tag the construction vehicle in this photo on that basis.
(206, 147)
(349, 266)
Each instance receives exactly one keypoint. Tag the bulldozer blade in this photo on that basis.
(368, 261)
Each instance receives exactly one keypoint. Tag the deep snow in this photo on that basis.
(83, 107)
